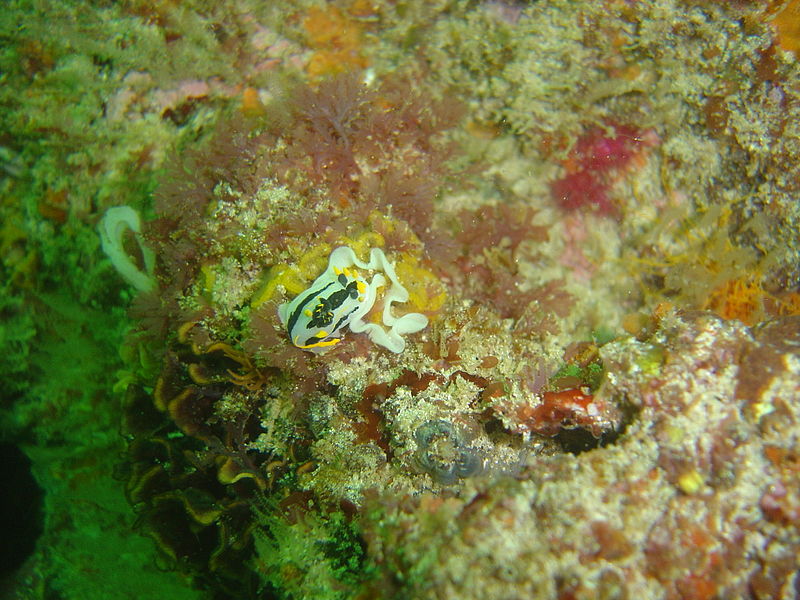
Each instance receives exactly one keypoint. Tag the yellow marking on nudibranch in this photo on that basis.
(320, 344)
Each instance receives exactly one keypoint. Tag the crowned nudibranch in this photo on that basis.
(341, 297)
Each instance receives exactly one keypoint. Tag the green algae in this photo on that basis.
(323, 557)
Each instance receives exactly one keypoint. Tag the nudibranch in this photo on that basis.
(341, 297)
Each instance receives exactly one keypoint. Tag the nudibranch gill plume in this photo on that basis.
(341, 297)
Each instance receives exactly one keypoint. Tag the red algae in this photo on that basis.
(595, 158)
(558, 411)
(582, 189)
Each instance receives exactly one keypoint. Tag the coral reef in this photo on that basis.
(372, 299)
(692, 501)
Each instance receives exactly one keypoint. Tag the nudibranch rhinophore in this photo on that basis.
(341, 297)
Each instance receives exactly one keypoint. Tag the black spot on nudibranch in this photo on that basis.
(323, 312)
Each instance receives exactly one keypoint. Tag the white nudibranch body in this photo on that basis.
(341, 297)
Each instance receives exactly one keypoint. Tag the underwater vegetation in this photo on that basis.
(371, 299)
